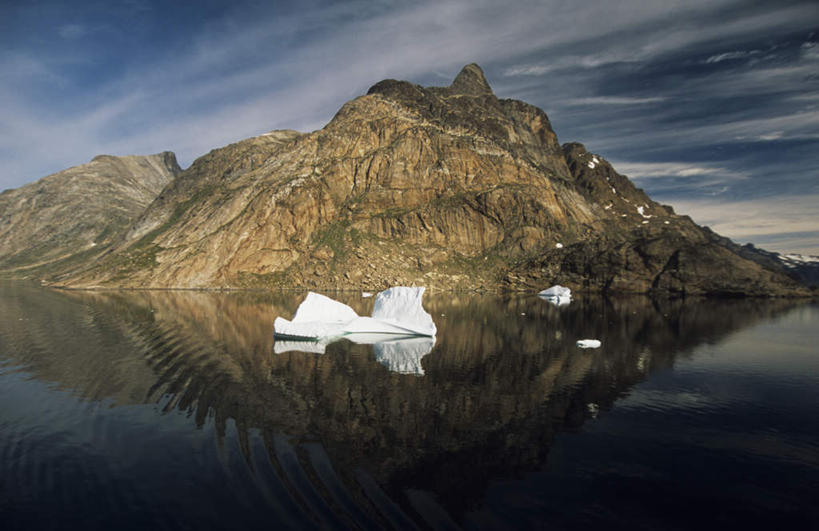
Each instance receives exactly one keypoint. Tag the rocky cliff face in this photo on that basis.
(448, 187)
(65, 220)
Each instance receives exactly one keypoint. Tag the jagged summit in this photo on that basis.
(471, 81)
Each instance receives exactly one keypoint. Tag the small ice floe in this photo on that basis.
(558, 245)
(557, 295)
(366, 294)
(588, 343)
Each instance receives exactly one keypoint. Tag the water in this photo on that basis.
(176, 410)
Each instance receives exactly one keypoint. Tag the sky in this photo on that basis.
(711, 106)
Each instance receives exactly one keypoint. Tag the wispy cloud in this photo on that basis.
(655, 170)
(729, 56)
(613, 100)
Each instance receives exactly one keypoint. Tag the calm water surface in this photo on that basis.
(176, 410)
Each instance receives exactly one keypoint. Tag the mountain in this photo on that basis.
(65, 220)
(447, 187)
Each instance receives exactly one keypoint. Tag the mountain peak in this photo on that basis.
(470, 80)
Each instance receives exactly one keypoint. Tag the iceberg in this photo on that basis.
(557, 295)
(400, 330)
(588, 343)
(397, 311)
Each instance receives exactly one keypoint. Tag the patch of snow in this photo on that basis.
(366, 294)
(645, 222)
(588, 343)
(666, 222)
(557, 295)
(591, 165)
(805, 258)
(559, 245)
(607, 207)
(641, 211)
(613, 190)
(594, 159)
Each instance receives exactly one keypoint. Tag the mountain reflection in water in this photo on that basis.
(357, 436)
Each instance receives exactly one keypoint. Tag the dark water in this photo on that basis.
(175, 410)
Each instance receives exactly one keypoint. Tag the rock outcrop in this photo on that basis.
(65, 220)
(446, 187)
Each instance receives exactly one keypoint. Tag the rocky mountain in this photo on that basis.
(447, 187)
(65, 220)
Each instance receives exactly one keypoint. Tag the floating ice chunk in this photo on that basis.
(558, 245)
(402, 306)
(557, 295)
(318, 307)
(588, 343)
(397, 311)
(366, 294)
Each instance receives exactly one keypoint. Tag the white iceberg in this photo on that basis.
(557, 295)
(588, 343)
(400, 331)
(397, 311)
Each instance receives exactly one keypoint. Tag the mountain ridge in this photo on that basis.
(73, 215)
(448, 187)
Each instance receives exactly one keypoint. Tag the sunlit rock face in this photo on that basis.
(446, 187)
(68, 218)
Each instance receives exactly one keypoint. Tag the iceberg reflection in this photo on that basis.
(402, 355)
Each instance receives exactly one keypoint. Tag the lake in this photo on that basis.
(178, 410)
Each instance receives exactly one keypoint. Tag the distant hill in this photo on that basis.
(65, 220)
(447, 187)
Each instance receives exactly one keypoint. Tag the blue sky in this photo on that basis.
(711, 106)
